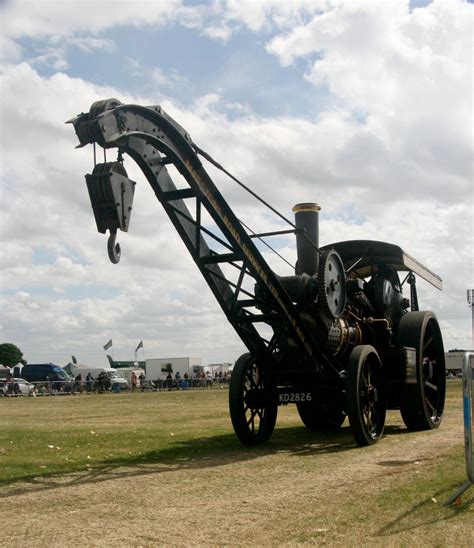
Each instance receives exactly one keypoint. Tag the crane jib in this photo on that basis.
(261, 271)
(146, 132)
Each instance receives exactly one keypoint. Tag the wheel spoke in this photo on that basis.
(431, 385)
(364, 381)
(367, 419)
(252, 383)
(369, 422)
(430, 405)
(251, 421)
(426, 344)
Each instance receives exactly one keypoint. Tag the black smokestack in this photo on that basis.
(307, 223)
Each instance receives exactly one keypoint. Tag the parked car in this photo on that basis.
(48, 373)
(23, 387)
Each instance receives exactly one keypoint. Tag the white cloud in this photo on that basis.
(264, 16)
(388, 159)
(10, 51)
(410, 61)
(89, 45)
(43, 18)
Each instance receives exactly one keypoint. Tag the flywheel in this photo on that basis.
(331, 284)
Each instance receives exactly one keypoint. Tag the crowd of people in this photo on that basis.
(202, 380)
(139, 382)
(101, 384)
(11, 386)
(88, 384)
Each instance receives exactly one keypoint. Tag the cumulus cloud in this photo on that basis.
(44, 18)
(389, 159)
(10, 50)
(230, 16)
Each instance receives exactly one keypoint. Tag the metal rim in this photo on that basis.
(422, 404)
(432, 376)
(252, 410)
(365, 392)
(370, 399)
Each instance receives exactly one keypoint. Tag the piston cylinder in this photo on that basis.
(307, 238)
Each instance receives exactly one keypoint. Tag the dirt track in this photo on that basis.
(303, 492)
(299, 489)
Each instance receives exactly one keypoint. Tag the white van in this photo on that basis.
(115, 379)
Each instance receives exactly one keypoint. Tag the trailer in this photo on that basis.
(454, 362)
(337, 338)
(158, 369)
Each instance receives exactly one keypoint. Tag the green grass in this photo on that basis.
(60, 435)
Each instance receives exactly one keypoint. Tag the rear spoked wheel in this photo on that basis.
(422, 404)
(321, 416)
(253, 406)
(365, 395)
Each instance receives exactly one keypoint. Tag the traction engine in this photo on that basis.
(337, 338)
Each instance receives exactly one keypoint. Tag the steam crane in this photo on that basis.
(336, 339)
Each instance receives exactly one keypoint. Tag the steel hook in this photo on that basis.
(113, 248)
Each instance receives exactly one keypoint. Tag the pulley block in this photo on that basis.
(111, 193)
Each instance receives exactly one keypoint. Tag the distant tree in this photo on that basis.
(10, 355)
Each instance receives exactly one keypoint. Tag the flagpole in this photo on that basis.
(108, 345)
(140, 345)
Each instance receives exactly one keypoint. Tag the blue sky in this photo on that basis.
(364, 107)
(194, 66)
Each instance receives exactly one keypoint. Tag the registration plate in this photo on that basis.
(294, 397)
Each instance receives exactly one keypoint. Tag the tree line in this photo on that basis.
(11, 355)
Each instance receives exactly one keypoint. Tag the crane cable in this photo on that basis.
(210, 159)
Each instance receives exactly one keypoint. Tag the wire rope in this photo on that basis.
(216, 164)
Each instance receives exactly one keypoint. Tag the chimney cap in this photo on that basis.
(306, 206)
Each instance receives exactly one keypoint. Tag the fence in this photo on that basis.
(19, 387)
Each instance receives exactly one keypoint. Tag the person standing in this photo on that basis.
(177, 380)
(134, 379)
(89, 382)
(78, 383)
(142, 381)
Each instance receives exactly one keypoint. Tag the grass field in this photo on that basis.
(173, 454)
(58, 435)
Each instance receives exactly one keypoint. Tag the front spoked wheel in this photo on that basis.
(253, 407)
(365, 395)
